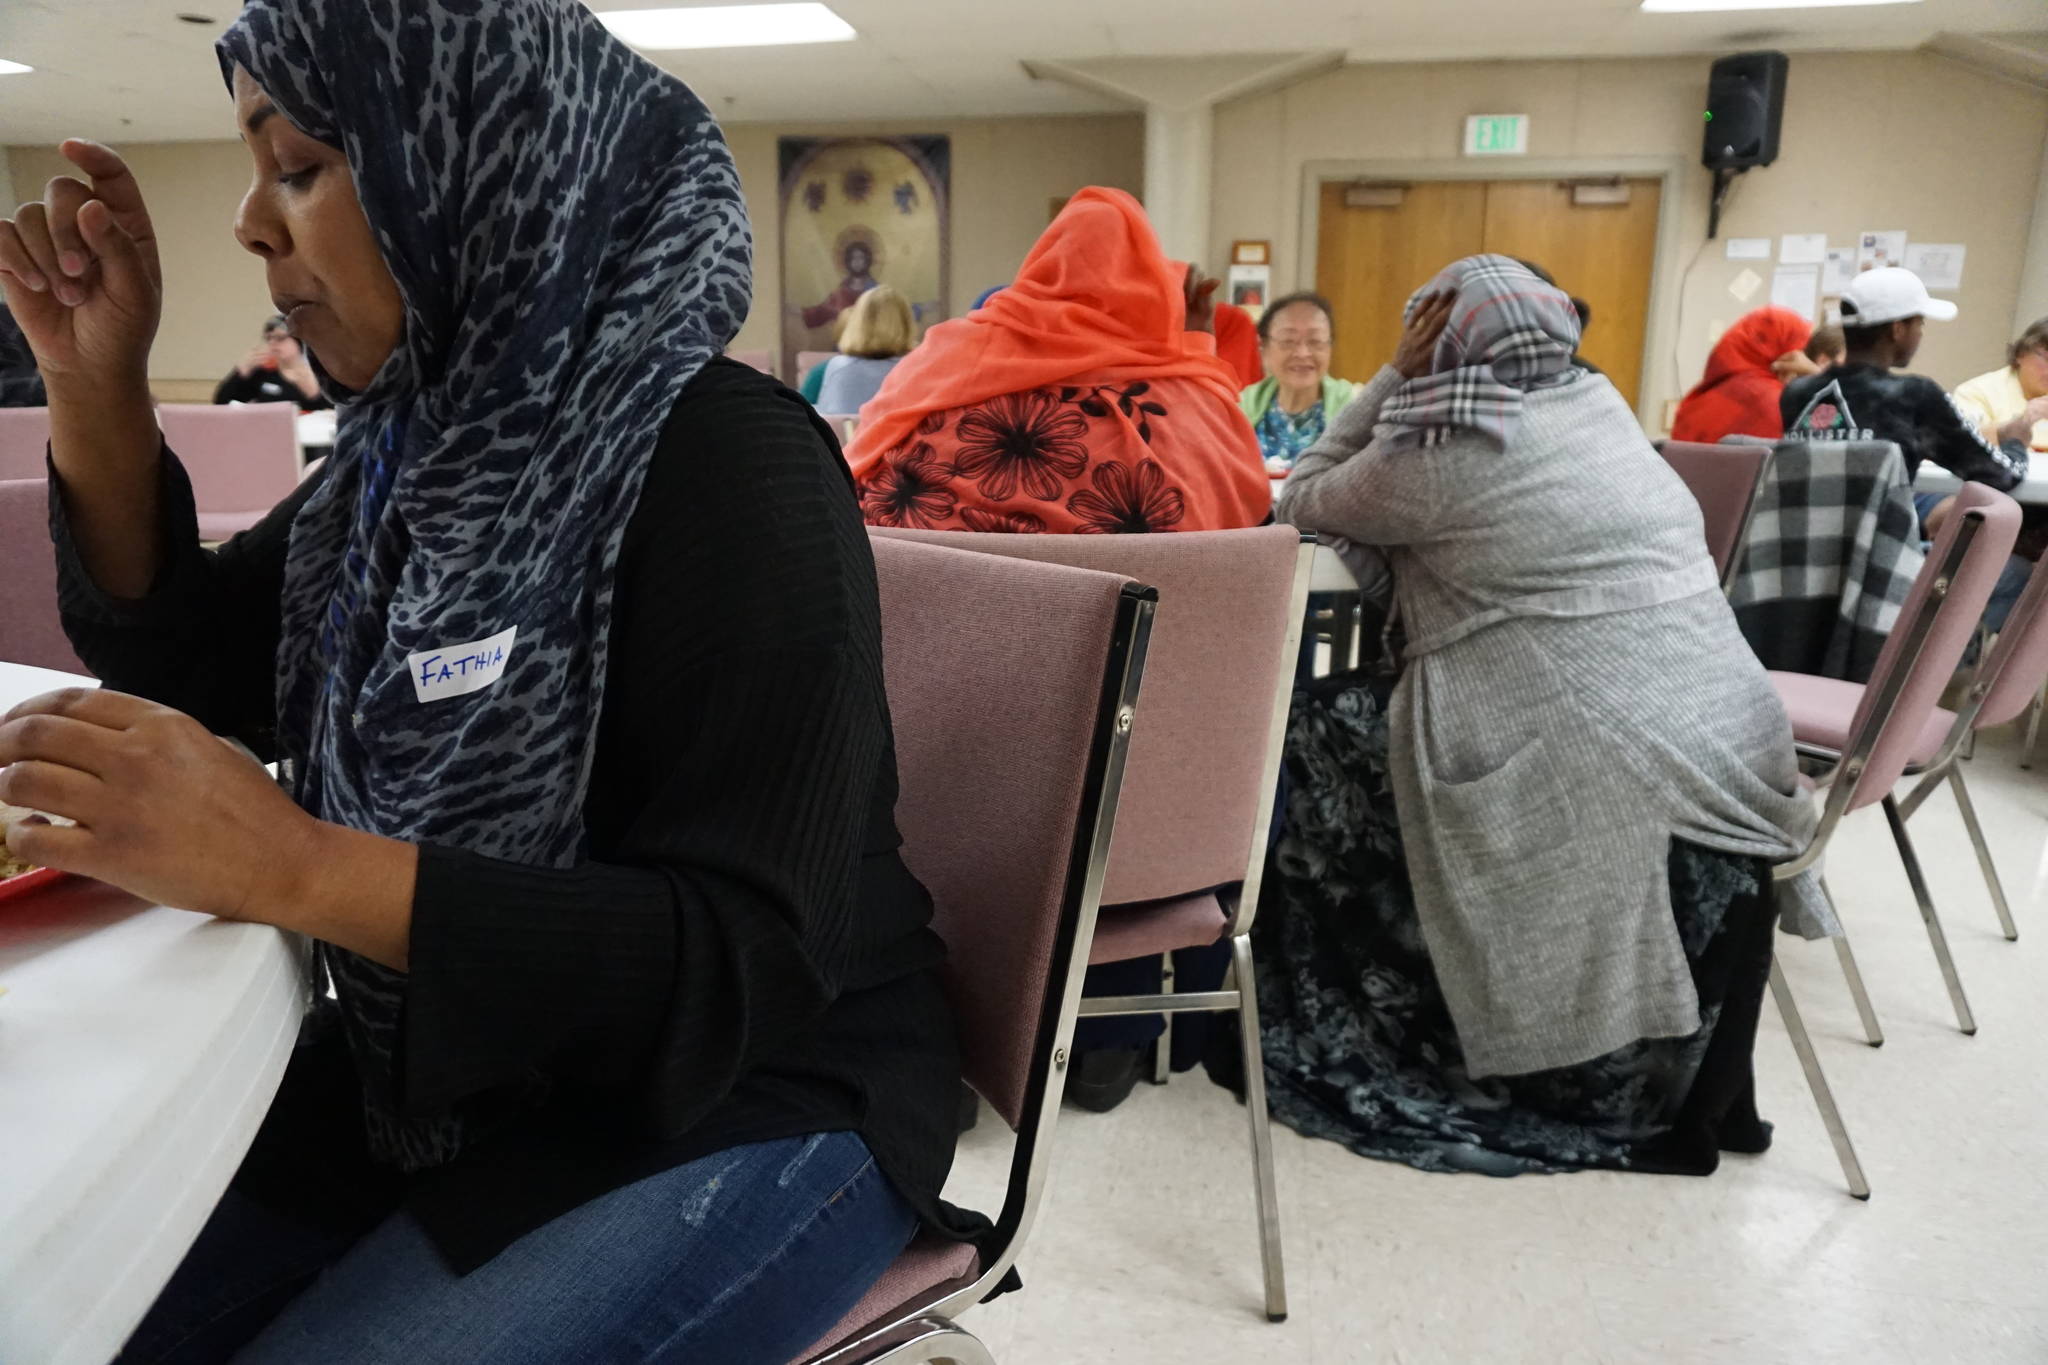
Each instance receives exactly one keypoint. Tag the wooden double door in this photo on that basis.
(1370, 259)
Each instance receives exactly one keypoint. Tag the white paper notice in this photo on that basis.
(1745, 285)
(1749, 248)
(1875, 249)
(1838, 270)
(459, 669)
(1802, 248)
(1796, 287)
(1938, 264)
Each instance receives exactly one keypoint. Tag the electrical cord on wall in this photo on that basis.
(1684, 289)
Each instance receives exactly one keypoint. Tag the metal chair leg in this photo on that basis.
(1262, 1128)
(1817, 1082)
(1162, 1047)
(1965, 1020)
(1873, 1033)
(1991, 881)
(2034, 727)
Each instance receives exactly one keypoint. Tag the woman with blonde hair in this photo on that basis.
(879, 331)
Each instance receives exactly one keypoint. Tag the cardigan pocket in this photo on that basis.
(1520, 809)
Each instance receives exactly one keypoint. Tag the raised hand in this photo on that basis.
(1200, 292)
(1417, 351)
(81, 274)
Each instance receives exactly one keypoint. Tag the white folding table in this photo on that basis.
(140, 1047)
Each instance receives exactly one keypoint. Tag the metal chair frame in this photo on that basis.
(1240, 992)
(1840, 789)
(1945, 766)
(923, 1329)
(1741, 546)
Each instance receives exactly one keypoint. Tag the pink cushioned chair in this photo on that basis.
(1880, 731)
(1725, 479)
(242, 459)
(2012, 674)
(1008, 825)
(24, 438)
(1198, 797)
(806, 361)
(30, 630)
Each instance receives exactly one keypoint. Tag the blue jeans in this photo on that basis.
(744, 1258)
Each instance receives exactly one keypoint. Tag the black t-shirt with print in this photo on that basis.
(1867, 403)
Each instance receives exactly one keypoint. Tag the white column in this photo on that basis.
(1177, 165)
(2033, 291)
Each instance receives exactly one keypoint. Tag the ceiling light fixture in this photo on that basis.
(13, 68)
(727, 26)
(1699, 6)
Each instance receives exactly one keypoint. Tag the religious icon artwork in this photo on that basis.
(858, 212)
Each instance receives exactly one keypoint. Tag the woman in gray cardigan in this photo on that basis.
(1556, 955)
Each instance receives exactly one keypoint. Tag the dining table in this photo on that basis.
(140, 1047)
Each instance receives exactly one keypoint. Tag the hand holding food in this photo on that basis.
(162, 808)
(10, 865)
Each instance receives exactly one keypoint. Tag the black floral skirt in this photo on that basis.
(1360, 1047)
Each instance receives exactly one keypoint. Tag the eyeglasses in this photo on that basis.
(1313, 345)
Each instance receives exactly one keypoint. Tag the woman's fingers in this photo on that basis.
(16, 263)
(113, 184)
(50, 788)
(96, 705)
(32, 228)
(43, 738)
(65, 847)
(123, 270)
(62, 199)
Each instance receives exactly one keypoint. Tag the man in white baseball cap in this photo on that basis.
(1862, 399)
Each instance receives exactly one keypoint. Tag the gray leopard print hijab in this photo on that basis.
(566, 228)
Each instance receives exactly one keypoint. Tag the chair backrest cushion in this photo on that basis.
(1955, 620)
(240, 457)
(995, 675)
(1723, 479)
(2018, 664)
(31, 632)
(24, 436)
(1191, 792)
(806, 361)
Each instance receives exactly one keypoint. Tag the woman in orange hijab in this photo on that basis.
(1746, 372)
(1085, 397)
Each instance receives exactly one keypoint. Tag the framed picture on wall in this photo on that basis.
(858, 212)
(1251, 253)
(1249, 286)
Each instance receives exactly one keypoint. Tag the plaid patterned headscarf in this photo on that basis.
(1509, 333)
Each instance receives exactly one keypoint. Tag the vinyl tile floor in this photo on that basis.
(1146, 1249)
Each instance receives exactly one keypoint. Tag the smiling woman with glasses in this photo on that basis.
(1296, 400)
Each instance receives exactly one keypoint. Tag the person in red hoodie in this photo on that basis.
(1747, 370)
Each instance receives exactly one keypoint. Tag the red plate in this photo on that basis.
(28, 883)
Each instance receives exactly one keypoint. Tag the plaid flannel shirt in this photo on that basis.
(1833, 551)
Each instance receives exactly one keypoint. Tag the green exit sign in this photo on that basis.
(1497, 135)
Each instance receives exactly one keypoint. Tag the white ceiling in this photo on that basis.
(130, 70)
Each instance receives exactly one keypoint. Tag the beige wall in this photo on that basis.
(1872, 141)
(215, 300)
(1005, 171)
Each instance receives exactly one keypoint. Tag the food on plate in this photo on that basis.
(11, 866)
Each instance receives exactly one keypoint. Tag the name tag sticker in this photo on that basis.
(441, 673)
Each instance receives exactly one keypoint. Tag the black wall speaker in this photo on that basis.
(1745, 107)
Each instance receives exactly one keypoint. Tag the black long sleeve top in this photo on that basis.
(1864, 402)
(744, 955)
